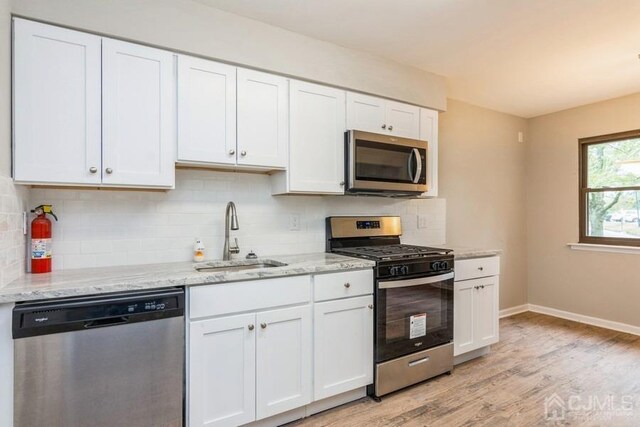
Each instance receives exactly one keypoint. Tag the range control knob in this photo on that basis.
(444, 265)
(394, 271)
(404, 269)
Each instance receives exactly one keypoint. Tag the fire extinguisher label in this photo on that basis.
(40, 248)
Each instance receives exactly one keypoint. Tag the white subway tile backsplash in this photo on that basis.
(111, 227)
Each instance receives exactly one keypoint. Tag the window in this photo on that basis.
(610, 189)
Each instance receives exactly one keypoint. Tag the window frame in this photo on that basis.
(583, 170)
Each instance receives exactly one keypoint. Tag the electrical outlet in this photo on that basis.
(423, 221)
(294, 222)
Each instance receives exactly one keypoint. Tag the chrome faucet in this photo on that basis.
(228, 250)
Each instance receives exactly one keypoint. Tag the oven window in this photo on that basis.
(384, 162)
(413, 318)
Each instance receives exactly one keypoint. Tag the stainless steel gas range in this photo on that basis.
(413, 295)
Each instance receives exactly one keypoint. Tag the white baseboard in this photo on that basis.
(513, 310)
(581, 318)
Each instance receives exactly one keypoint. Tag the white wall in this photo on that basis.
(12, 240)
(193, 27)
(101, 228)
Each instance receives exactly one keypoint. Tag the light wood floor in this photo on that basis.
(537, 356)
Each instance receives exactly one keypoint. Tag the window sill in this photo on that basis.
(604, 248)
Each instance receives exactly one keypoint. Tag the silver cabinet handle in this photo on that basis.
(390, 127)
(232, 152)
(263, 325)
(347, 285)
(93, 169)
(370, 306)
(109, 171)
(384, 126)
(251, 327)
(243, 153)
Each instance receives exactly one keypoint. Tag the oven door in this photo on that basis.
(413, 314)
(384, 163)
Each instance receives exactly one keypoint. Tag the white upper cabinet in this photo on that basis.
(403, 119)
(429, 133)
(206, 111)
(316, 146)
(366, 113)
(56, 80)
(373, 114)
(263, 119)
(138, 115)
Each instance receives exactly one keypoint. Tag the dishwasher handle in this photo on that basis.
(101, 323)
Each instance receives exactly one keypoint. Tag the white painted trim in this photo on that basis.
(581, 318)
(604, 248)
(465, 357)
(506, 312)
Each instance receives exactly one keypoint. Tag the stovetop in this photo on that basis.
(392, 252)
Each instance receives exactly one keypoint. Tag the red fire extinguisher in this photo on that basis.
(41, 239)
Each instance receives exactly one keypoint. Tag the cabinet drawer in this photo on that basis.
(477, 267)
(342, 285)
(225, 298)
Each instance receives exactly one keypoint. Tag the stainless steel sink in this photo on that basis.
(234, 266)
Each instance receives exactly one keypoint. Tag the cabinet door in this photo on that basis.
(56, 105)
(343, 345)
(138, 117)
(429, 133)
(206, 111)
(366, 113)
(402, 119)
(283, 365)
(263, 119)
(464, 324)
(221, 371)
(317, 126)
(487, 312)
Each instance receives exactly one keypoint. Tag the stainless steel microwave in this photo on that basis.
(384, 164)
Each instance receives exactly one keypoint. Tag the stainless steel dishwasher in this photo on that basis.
(115, 359)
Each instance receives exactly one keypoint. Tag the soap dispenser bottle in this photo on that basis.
(198, 251)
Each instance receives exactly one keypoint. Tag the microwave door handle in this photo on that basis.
(414, 282)
(410, 164)
(418, 157)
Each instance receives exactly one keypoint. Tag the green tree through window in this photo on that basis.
(609, 189)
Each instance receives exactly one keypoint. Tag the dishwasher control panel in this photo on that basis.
(69, 314)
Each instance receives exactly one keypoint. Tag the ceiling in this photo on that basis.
(524, 57)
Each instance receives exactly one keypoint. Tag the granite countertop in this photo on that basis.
(90, 281)
(461, 252)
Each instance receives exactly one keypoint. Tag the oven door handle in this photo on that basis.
(414, 282)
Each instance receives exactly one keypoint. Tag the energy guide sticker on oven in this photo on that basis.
(418, 326)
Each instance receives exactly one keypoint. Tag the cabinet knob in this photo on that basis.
(480, 268)
(243, 153)
(370, 306)
(347, 285)
(109, 171)
(342, 183)
(390, 127)
(93, 169)
(263, 325)
(251, 327)
(384, 126)
(232, 152)
(481, 286)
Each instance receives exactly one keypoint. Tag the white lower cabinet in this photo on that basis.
(222, 367)
(265, 360)
(347, 325)
(476, 309)
(283, 360)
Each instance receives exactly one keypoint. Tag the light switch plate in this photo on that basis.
(423, 221)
